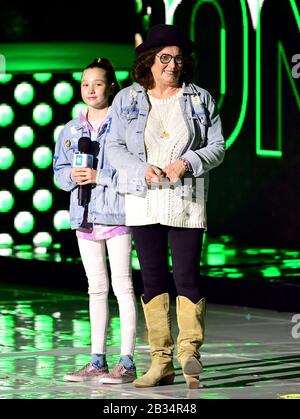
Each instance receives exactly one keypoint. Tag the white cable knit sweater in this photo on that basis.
(163, 205)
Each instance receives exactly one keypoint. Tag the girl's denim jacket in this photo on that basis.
(107, 204)
(125, 140)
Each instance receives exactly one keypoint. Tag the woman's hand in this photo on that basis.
(83, 175)
(174, 171)
(154, 174)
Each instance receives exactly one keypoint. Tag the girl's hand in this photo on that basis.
(83, 176)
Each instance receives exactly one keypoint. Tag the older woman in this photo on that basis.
(165, 137)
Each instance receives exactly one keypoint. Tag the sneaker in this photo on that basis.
(87, 373)
(119, 375)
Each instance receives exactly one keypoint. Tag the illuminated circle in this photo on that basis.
(122, 75)
(42, 157)
(24, 222)
(24, 179)
(24, 136)
(77, 109)
(42, 77)
(6, 115)
(42, 239)
(57, 131)
(24, 93)
(42, 200)
(61, 220)
(42, 114)
(63, 92)
(6, 240)
(5, 78)
(77, 75)
(6, 201)
(6, 158)
(55, 182)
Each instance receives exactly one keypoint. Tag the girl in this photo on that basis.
(99, 223)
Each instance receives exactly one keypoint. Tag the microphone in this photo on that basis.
(84, 158)
(95, 152)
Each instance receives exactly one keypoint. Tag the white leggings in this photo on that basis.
(93, 255)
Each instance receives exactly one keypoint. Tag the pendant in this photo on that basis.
(165, 135)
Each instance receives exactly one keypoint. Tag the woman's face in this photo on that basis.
(95, 90)
(167, 74)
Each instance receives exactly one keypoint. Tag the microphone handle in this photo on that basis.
(84, 195)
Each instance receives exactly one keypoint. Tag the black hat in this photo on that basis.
(165, 35)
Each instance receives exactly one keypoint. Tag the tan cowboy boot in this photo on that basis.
(190, 318)
(158, 321)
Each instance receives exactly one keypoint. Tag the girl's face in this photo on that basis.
(95, 90)
(167, 74)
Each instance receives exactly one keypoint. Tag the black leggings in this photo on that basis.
(151, 243)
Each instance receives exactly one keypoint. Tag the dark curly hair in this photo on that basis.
(141, 71)
(107, 66)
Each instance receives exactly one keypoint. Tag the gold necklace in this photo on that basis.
(165, 133)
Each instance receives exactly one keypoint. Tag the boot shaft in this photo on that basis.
(190, 319)
(158, 320)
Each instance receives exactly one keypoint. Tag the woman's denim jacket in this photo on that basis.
(125, 140)
(107, 204)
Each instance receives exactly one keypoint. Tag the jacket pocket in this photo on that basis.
(202, 120)
(129, 112)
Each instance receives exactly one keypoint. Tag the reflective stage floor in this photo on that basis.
(248, 353)
(232, 273)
